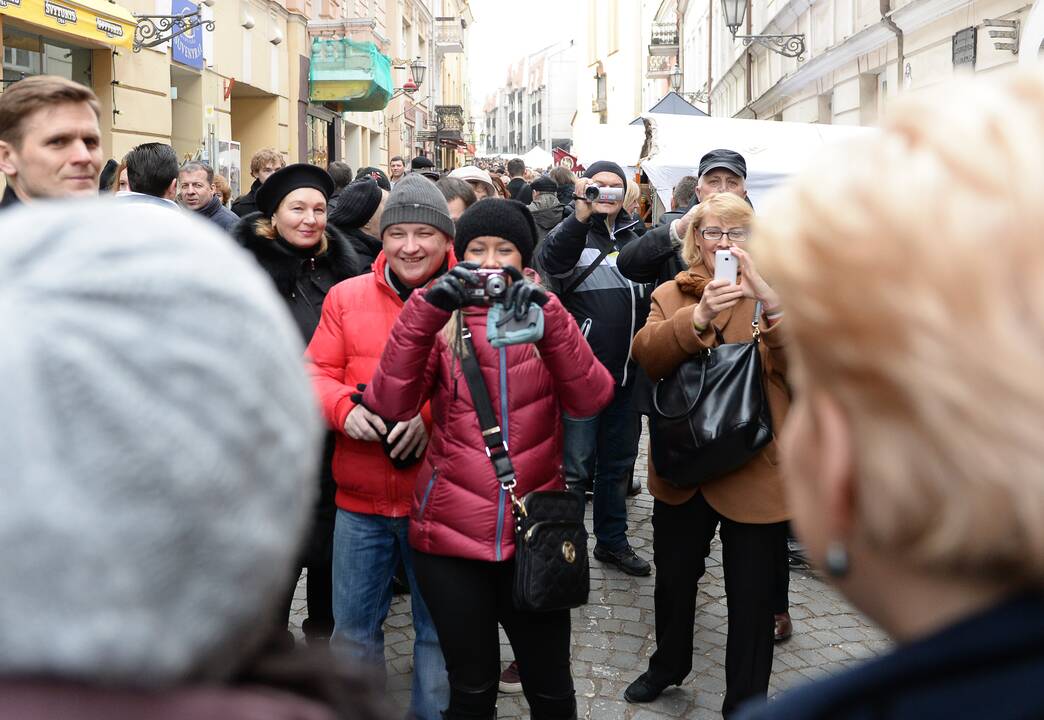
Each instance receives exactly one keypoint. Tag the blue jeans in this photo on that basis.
(604, 448)
(366, 551)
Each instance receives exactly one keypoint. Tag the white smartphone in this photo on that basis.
(725, 266)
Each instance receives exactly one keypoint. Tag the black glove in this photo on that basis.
(522, 293)
(449, 292)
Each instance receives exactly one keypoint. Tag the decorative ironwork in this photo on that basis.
(792, 46)
(153, 30)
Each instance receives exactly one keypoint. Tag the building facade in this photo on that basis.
(857, 53)
(536, 105)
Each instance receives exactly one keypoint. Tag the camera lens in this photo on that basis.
(591, 192)
(496, 286)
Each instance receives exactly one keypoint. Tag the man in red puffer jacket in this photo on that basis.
(373, 495)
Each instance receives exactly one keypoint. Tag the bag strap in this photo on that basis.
(586, 273)
(492, 436)
(754, 323)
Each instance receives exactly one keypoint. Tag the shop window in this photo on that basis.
(26, 55)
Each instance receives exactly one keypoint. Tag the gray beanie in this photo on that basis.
(159, 440)
(415, 199)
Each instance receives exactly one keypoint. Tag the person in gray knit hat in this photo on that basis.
(375, 462)
(159, 446)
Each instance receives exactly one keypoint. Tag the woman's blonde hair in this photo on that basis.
(911, 265)
(223, 188)
(633, 193)
(733, 212)
(263, 227)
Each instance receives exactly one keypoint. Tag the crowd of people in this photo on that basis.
(206, 395)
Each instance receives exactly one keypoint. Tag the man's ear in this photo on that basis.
(7, 159)
(836, 463)
(172, 191)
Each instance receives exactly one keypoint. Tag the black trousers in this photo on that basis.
(750, 555)
(317, 556)
(467, 599)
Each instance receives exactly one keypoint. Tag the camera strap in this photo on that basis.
(587, 272)
(496, 447)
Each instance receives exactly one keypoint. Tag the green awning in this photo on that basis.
(349, 76)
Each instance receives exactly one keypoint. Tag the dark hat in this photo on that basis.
(285, 180)
(420, 163)
(356, 204)
(508, 219)
(378, 176)
(417, 200)
(605, 166)
(726, 159)
(544, 184)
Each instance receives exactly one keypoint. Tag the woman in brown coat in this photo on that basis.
(747, 504)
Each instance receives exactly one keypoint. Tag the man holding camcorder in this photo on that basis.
(579, 259)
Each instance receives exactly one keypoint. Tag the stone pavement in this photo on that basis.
(613, 637)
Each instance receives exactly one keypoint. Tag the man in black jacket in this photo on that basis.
(683, 199)
(579, 259)
(657, 256)
(358, 217)
(196, 192)
(264, 162)
(517, 187)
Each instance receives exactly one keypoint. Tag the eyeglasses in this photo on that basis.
(715, 234)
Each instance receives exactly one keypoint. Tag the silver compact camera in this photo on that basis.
(491, 287)
(597, 193)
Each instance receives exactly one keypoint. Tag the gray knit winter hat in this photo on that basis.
(159, 443)
(415, 199)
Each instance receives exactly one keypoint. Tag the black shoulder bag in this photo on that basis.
(711, 415)
(551, 565)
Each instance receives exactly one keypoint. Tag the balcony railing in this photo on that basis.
(449, 35)
(664, 39)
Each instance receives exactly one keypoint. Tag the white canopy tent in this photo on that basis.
(773, 150)
(538, 157)
(620, 143)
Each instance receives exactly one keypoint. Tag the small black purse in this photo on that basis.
(551, 563)
(711, 415)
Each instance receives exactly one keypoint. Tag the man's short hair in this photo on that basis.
(266, 156)
(194, 166)
(21, 99)
(151, 168)
(341, 173)
(454, 188)
(516, 167)
(397, 158)
(685, 192)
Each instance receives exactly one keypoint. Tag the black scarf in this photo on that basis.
(402, 289)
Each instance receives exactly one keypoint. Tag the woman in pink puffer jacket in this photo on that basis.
(460, 522)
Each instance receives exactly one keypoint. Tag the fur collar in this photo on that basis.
(693, 280)
(285, 266)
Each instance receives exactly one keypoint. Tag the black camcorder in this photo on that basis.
(490, 287)
(597, 193)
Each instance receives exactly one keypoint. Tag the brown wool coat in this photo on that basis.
(754, 493)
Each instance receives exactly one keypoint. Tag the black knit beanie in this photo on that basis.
(292, 177)
(356, 204)
(605, 166)
(508, 219)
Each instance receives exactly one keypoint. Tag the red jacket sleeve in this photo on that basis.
(583, 385)
(406, 374)
(328, 362)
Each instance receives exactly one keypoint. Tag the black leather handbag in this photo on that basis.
(551, 564)
(711, 415)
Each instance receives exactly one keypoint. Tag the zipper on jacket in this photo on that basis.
(427, 491)
(504, 429)
(585, 327)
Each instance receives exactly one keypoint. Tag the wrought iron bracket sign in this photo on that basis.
(792, 46)
(153, 30)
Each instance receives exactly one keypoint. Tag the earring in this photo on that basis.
(837, 559)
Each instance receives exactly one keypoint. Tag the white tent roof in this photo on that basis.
(538, 157)
(773, 150)
(620, 143)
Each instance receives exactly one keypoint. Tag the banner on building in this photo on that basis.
(187, 48)
(97, 20)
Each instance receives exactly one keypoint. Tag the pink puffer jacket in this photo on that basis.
(458, 507)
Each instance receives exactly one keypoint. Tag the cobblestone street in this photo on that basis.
(613, 637)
